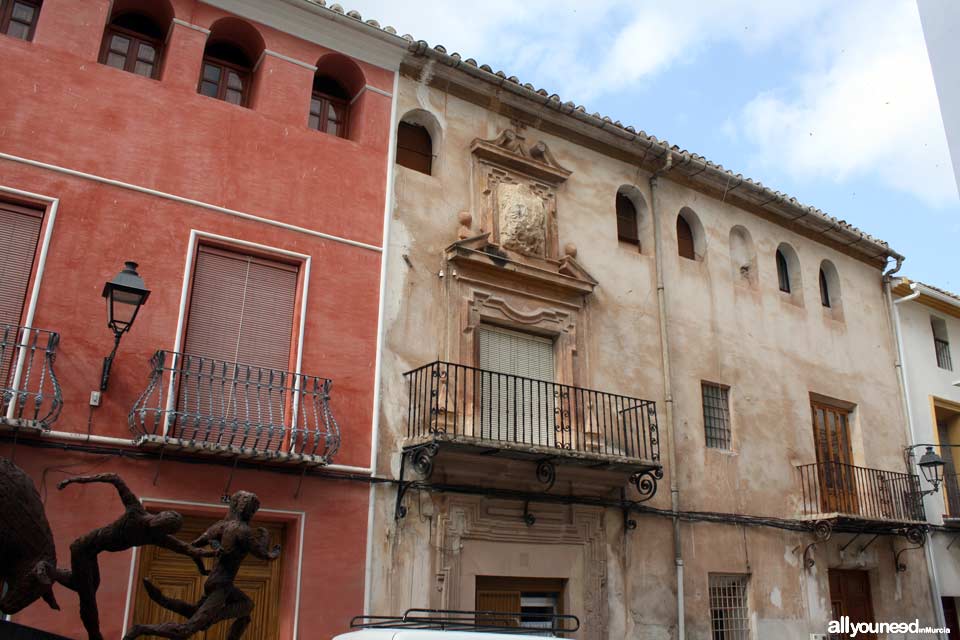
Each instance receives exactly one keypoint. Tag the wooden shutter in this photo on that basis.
(850, 594)
(685, 239)
(627, 220)
(241, 309)
(519, 410)
(177, 577)
(507, 602)
(19, 234)
(414, 147)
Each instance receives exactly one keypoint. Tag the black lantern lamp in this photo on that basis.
(125, 294)
(932, 467)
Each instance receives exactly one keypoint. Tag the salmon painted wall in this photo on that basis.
(63, 108)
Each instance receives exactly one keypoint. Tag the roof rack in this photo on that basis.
(482, 621)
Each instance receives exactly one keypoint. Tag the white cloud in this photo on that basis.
(866, 108)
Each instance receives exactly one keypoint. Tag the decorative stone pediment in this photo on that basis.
(518, 193)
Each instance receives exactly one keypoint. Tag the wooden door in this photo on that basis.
(836, 474)
(850, 596)
(950, 615)
(177, 576)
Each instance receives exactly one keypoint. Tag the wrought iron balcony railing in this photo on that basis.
(845, 490)
(31, 394)
(236, 409)
(458, 403)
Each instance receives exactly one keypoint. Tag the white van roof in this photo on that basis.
(427, 634)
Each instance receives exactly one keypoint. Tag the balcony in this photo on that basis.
(859, 498)
(491, 413)
(235, 410)
(31, 394)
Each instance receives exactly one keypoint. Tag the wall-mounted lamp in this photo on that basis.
(125, 294)
(931, 465)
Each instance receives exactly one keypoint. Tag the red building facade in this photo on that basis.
(238, 151)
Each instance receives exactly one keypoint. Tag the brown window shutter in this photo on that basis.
(19, 234)
(241, 309)
(627, 220)
(414, 147)
(685, 239)
(507, 602)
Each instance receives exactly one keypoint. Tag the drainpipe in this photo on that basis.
(667, 387)
(908, 412)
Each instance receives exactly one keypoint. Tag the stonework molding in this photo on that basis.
(465, 519)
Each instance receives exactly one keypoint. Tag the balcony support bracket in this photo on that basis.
(421, 457)
(850, 542)
(646, 483)
(917, 536)
(822, 529)
(864, 547)
(629, 524)
(547, 473)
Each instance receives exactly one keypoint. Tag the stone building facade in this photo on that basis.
(623, 383)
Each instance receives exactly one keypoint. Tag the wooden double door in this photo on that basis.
(177, 577)
(836, 473)
(850, 596)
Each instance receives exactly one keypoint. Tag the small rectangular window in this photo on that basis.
(941, 343)
(729, 611)
(716, 415)
(18, 18)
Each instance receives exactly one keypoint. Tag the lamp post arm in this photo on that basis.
(108, 361)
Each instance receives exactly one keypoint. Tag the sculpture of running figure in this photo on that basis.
(233, 538)
(136, 527)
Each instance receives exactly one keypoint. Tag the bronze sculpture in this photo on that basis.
(233, 538)
(28, 557)
(135, 528)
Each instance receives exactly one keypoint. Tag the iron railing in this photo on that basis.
(458, 402)
(220, 405)
(943, 354)
(951, 489)
(860, 492)
(31, 395)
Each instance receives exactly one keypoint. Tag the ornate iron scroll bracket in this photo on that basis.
(915, 535)
(421, 458)
(646, 483)
(629, 524)
(546, 473)
(528, 517)
(822, 529)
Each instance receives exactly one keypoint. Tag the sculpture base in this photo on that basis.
(14, 631)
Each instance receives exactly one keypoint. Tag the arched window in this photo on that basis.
(824, 289)
(685, 244)
(329, 107)
(783, 272)
(628, 228)
(18, 18)
(133, 41)
(414, 147)
(233, 47)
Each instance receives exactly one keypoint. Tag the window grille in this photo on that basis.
(716, 415)
(941, 343)
(729, 612)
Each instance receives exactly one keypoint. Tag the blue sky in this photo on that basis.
(830, 102)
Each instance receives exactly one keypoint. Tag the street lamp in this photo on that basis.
(932, 467)
(125, 294)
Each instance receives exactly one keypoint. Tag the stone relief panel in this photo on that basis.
(522, 219)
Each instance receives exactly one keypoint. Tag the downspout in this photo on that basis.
(668, 387)
(381, 330)
(908, 412)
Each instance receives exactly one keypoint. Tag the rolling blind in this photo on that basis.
(19, 233)
(241, 309)
(513, 409)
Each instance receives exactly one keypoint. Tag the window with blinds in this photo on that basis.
(19, 234)
(237, 344)
(516, 403)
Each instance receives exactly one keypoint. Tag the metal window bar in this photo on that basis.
(485, 621)
(30, 394)
(943, 354)
(233, 406)
(465, 402)
(729, 612)
(846, 489)
(716, 415)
